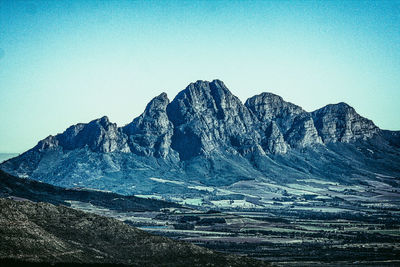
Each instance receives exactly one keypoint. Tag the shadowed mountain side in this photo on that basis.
(11, 186)
(42, 232)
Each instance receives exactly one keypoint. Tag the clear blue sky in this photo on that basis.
(64, 62)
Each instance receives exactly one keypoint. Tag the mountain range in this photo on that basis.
(206, 146)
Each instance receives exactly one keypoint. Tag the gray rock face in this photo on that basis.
(150, 134)
(341, 123)
(268, 107)
(207, 119)
(292, 126)
(303, 132)
(99, 135)
(274, 141)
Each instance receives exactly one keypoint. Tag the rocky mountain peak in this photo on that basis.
(150, 133)
(199, 87)
(341, 123)
(294, 124)
(99, 135)
(219, 85)
(203, 96)
(268, 106)
(49, 143)
(340, 109)
(207, 118)
(158, 104)
(103, 121)
(153, 113)
(198, 97)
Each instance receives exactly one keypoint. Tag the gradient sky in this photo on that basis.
(64, 62)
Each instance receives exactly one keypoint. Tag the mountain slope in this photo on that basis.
(14, 187)
(206, 142)
(44, 233)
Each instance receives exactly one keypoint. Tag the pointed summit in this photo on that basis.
(207, 117)
(199, 97)
(150, 133)
(158, 103)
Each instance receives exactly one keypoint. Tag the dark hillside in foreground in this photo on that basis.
(11, 186)
(42, 232)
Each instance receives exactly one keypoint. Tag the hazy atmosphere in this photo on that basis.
(64, 62)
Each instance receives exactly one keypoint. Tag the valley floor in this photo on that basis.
(299, 234)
